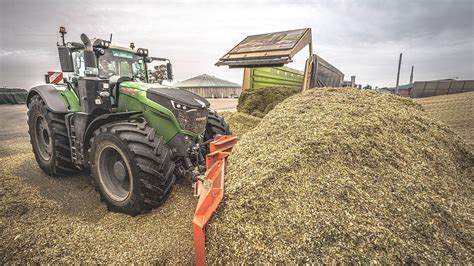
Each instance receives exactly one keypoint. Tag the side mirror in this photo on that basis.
(169, 71)
(65, 58)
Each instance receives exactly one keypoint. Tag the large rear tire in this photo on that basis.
(216, 125)
(49, 139)
(131, 166)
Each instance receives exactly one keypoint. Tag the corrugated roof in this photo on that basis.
(206, 81)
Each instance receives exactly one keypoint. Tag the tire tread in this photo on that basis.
(151, 158)
(62, 156)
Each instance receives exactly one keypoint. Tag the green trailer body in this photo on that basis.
(275, 77)
(325, 75)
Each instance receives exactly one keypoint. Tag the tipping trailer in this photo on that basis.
(262, 56)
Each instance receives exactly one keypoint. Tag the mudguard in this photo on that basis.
(96, 123)
(104, 119)
(51, 96)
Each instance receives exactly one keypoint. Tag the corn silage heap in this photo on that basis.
(240, 123)
(345, 175)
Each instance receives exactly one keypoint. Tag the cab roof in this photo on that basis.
(121, 48)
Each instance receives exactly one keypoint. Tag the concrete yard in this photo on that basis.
(223, 104)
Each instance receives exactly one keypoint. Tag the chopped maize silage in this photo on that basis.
(62, 220)
(240, 123)
(344, 175)
(259, 101)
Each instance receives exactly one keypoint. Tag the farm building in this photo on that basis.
(422, 89)
(210, 87)
(403, 90)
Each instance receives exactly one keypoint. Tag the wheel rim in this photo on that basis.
(114, 173)
(43, 138)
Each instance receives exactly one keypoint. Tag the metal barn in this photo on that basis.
(210, 87)
(421, 89)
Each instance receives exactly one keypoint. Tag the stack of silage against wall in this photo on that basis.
(12, 96)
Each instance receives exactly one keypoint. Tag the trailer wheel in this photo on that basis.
(49, 139)
(216, 125)
(131, 166)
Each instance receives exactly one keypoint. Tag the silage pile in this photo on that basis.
(343, 175)
(258, 102)
(240, 123)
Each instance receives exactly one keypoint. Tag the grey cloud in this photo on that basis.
(361, 38)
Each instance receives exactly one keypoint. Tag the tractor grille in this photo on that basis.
(193, 120)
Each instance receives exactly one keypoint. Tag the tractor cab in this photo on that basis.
(117, 64)
(113, 63)
(116, 61)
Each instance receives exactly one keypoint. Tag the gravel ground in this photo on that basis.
(61, 220)
(13, 121)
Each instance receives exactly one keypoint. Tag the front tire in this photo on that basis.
(216, 125)
(131, 166)
(49, 139)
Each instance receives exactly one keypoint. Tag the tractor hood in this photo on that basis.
(169, 108)
(177, 95)
(165, 94)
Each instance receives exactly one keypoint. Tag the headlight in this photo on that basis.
(192, 119)
(98, 43)
(179, 106)
(142, 52)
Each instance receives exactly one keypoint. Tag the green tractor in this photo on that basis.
(136, 137)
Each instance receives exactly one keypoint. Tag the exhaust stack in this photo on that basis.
(90, 59)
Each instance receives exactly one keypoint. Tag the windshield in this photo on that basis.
(121, 63)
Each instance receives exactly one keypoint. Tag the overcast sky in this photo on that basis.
(362, 38)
